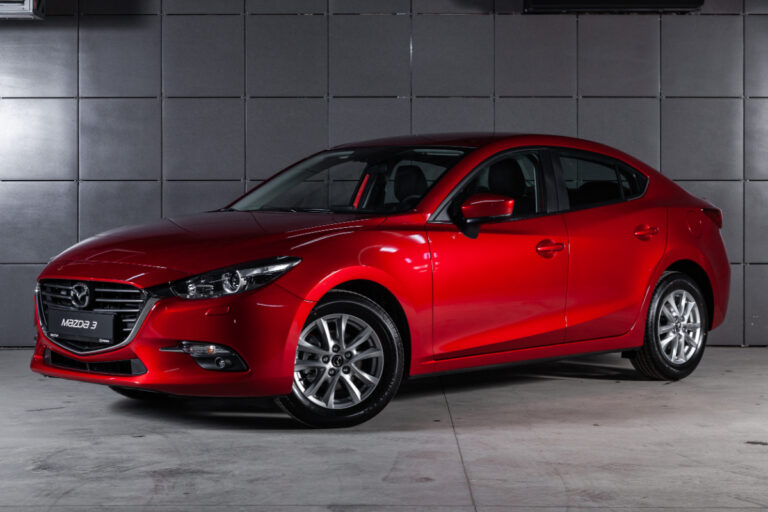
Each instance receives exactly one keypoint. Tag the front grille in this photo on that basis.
(123, 367)
(124, 301)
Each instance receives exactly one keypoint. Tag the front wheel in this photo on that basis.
(349, 363)
(675, 331)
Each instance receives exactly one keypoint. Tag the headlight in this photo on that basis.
(234, 279)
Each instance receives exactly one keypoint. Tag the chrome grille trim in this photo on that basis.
(115, 290)
(128, 320)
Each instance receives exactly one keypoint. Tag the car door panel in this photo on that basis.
(498, 292)
(610, 265)
(616, 240)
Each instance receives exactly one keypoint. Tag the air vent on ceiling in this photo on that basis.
(22, 9)
(626, 6)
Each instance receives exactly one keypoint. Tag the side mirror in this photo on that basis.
(481, 208)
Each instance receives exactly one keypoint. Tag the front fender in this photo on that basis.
(398, 260)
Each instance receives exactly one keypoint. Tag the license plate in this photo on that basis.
(81, 323)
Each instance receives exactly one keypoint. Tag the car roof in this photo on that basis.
(461, 139)
(476, 140)
(465, 139)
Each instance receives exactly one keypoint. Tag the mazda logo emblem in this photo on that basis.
(80, 295)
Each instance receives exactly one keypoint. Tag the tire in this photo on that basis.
(673, 344)
(370, 359)
(140, 394)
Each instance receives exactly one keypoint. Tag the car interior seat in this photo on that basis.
(410, 186)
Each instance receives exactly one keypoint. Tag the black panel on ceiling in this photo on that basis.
(626, 6)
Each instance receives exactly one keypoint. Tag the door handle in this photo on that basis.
(547, 248)
(645, 232)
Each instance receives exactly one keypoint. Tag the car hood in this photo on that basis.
(177, 247)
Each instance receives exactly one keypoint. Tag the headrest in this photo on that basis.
(598, 192)
(506, 178)
(409, 181)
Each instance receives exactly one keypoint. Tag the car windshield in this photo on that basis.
(358, 180)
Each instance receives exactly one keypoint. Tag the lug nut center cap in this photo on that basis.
(337, 361)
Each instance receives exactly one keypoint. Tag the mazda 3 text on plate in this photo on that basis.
(330, 283)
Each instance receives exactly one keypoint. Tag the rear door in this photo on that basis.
(616, 240)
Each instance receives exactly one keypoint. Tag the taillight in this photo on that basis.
(715, 215)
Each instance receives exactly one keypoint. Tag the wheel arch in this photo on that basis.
(701, 278)
(382, 296)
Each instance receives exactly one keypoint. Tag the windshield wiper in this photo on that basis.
(273, 209)
(294, 210)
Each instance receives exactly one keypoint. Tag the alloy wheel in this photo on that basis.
(339, 361)
(679, 332)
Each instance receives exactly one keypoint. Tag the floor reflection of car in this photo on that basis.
(328, 284)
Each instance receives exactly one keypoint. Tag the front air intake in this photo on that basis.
(66, 306)
(126, 367)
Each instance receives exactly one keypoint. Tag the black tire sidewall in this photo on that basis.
(357, 305)
(666, 368)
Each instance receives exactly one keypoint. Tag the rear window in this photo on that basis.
(598, 181)
(633, 182)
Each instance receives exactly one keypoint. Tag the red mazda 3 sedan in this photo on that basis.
(329, 283)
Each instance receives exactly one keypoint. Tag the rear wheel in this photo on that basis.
(140, 394)
(675, 331)
(349, 363)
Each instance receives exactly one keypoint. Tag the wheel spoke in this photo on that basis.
(668, 312)
(353, 391)
(692, 325)
(311, 390)
(663, 329)
(665, 342)
(680, 348)
(673, 306)
(366, 354)
(308, 364)
(305, 346)
(343, 329)
(330, 392)
(688, 309)
(326, 332)
(364, 376)
(360, 338)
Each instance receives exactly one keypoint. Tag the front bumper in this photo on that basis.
(262, 326)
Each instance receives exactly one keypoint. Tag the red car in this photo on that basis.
(328, 284)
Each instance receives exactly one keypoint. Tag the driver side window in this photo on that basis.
(515, 176)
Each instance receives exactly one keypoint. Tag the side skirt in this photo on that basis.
(632, 339)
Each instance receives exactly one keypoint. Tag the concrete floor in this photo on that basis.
(583, 434)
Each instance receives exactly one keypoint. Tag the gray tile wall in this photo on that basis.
(120, 111)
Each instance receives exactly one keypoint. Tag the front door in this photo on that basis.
(505, 289)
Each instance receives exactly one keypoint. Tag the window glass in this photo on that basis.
(384, 179)
(633, 183)
(516, 176)
(590, 182)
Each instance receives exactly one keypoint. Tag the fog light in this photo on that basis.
(202, 349)
(211, 356)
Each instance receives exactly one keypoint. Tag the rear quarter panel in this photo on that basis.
(694, 237)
